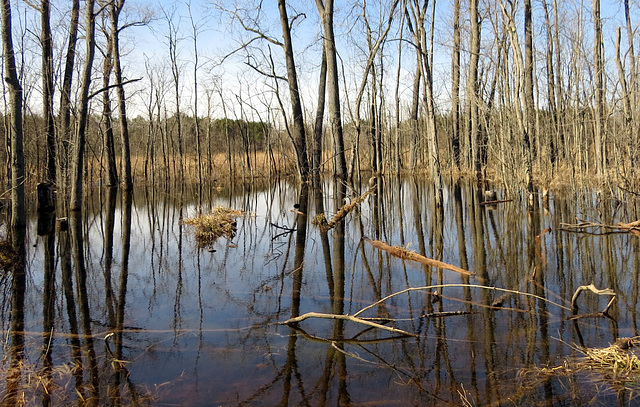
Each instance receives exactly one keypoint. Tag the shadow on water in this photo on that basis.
(119, 305)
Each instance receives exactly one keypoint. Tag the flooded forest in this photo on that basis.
(387, 203)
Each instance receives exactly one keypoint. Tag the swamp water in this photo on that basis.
(154, 319)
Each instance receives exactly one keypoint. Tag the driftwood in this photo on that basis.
(494, 202)
(593, 289)
(620, 227)
(407, 254)
(321, 220)
(443, 314)
(346, 318)
(370, 321)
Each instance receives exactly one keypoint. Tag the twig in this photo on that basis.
(458, 285)
(345, 318)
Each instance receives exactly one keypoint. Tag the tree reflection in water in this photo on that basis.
(120, 306)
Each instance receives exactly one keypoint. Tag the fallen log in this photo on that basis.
(407, 254)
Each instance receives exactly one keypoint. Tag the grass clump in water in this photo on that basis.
(209, 227)
(598, 372)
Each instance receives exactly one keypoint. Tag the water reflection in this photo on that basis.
(119, 305)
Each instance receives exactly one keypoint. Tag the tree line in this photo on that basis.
(525, 91)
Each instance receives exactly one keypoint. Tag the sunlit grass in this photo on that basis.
(609, 370)
(27, 383)
(209, 227)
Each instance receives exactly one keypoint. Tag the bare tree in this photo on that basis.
(599, 87)
(455, 85)
(65, 94)
(107, 68)
(473, 88)
(115, 7)
(326, 11)
(299, 137)
(529, 112)
(47, 88)
(76, 185)
(18, 210)
(196, 64)
(416, 21)
(317, 129)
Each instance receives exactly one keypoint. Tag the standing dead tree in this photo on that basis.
(326, 11)
(80, 140)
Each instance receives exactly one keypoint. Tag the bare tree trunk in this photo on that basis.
(415, 109)
(18, 209)
(529, 133)
(65, 94)
(333, 92)
(633, 90)
(455, 85)
(317, 130)
(114, 12)
(112, 171)
(76, 184)
(299, 137)
(47, 89)
(599, 88)
(473, 88)
(551, 89)
(560, 92)
(398, 151)
(370, 72)
(175, 72)
(194, 33)
(416, 20)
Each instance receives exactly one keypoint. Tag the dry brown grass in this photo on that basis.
(211, 226)
(26, 383)
(605, 371)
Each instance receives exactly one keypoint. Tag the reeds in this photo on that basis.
(610, 369)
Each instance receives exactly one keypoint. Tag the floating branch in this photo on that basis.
(494, 202)
(430, 287)
(442, 314)
(321, 220)
(407, 254)
(620, 227)
(346, 318)
(593, 289)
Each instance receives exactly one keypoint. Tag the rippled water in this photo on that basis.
(199, 326)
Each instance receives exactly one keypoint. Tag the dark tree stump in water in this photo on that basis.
(46, 202)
